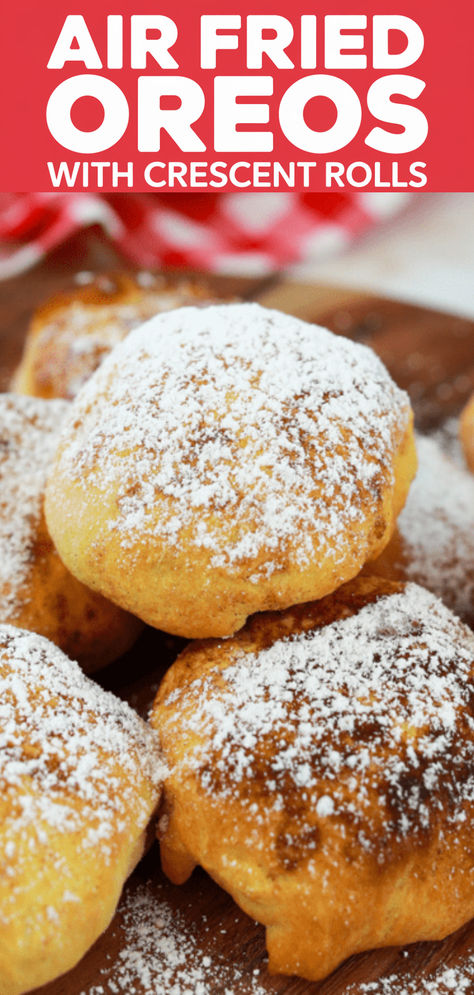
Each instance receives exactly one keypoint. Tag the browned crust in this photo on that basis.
(109, 306)
(398, 889)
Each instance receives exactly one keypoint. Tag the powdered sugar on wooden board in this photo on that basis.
(73, 758)
(447, 437)
(456, 980)
(239, 413)
(29, 430)
(162, 955)
(368, 719)
(437, 528)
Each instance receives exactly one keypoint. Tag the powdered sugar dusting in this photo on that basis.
(437, 528)
(161, 954)
(240, 413)
(74, 337)
(29, 429)
(367, 720)
(73, 759)
(447, 437)
(456, 980)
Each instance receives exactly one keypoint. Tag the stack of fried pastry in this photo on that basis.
(239, 477)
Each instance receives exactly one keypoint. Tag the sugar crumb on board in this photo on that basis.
(162, 955)
(454, 980)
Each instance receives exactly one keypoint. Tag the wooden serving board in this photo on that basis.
(432, 356)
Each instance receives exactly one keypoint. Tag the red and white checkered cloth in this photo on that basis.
(253, 233)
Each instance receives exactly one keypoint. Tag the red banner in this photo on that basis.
(272, 96)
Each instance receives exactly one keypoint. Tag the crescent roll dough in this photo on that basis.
(227, 460)
(322, 771)
(80, 778)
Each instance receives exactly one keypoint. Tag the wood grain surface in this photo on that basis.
(432, 356)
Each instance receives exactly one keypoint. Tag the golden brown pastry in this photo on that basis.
(228, 460)
(80, 778)
(433, 543)
(466, 432)
(73, 331)
(37, 592)
(322, 771)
